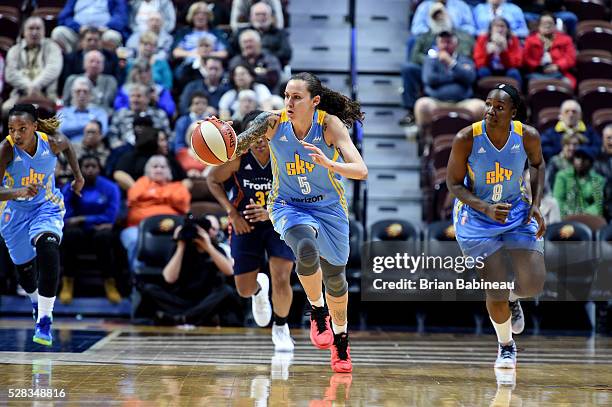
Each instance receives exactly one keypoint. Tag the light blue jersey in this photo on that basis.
(24, 219)
(297, 180)
(496, 176)
(304, 193)
(39, 169)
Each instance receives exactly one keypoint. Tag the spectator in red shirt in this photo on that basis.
(498, 52)
(548, 53)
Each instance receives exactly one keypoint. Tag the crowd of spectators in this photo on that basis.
(128, 79)
(455, 44)
(493, 38)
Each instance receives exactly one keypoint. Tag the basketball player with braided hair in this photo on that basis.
(493, 215)
(310, 151)
(33, 208)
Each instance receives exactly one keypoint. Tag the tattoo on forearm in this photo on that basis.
(259, 127)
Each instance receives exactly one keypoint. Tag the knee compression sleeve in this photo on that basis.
(26, 276)
(302, 240)
(334, 279)
(48, 259)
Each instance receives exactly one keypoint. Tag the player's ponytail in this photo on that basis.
(347, 110)
(48, 126)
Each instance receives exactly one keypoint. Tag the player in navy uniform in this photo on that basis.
(493, 214)
(252, 236)
(311, 150)
(33, 208)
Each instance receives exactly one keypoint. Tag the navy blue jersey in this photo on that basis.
(252, 181)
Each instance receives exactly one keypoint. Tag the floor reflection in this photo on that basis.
(238, 368)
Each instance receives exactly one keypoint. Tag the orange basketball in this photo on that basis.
(213, 141)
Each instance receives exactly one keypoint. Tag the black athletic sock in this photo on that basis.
(280, 320)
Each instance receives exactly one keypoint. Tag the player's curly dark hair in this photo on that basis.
(347, 110)
(48, 126)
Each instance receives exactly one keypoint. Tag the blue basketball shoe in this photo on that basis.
(43, 331)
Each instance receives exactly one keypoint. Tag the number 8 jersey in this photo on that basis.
(497, 175)
(297, 180)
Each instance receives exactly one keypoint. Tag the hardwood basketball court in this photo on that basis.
(106, 364)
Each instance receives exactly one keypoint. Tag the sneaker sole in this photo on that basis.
(505, 366)
(340, 370)
(42, 341)
(322, 346)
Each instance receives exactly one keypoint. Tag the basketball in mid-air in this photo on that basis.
(213, 141)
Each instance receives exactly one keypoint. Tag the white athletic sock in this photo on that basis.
(338, 329)
(318, 303)
(33, 296)
(503, 331)
(45, 306)
(513, 297)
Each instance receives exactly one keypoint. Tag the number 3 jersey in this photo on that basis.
(297, 180)
(497, 175)
(252, 181)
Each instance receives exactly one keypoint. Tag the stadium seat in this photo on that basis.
(601, 53)
(50, 3)
(207, 208)
(548, 93)
(155, 244)
(570, 260)
(603, 284)
(200, 191)
(441, 231)
(484, 85)
(597, 36)
(5, 44)
(440, 151)
(587, 9)
(393, 229)
(548, 117)
(590, 67)
(594, 94)
(601, 118)
(353, 266)
(9, 22)
(594, 222)
(154, 250)
(49, 16)
(450, 120)
(588, 24)
(380, 209)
